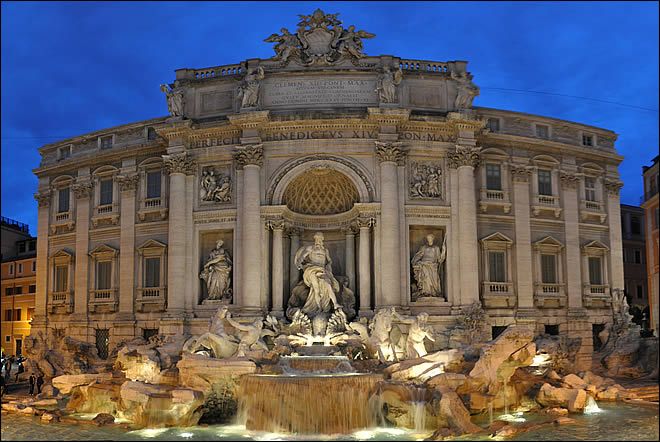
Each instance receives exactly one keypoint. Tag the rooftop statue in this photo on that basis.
(387, 84)
(174, 100)
(319, 39)
(467, 90)
(249, 90)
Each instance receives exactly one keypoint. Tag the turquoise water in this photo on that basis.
(614, 422)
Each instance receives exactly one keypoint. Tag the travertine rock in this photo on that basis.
(65, 383)
(453, 410)
(139, 363)
(423, 368)
(572, 398)
(573, 381)
(102, 419)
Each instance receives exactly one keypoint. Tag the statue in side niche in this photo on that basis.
(174, 100)
(387, 84)
(418, 332)
(426, 265)
(249, 90)
(216, 273)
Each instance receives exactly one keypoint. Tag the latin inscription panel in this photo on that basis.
(312, 91)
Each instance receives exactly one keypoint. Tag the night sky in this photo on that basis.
(73, 68)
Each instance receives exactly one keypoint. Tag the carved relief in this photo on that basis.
(520, 173)
(179, 163)
(425, 180)
(174, 100)
(320, 39)
(569, 180)
(83, 189)
(214, 186)
(612, 186)
(463, 156)
(387, 85)
(43, 198)
(390, 151)
(249, 154)
(248, 92)
(128, 182)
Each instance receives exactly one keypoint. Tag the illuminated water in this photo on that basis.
(615, 422)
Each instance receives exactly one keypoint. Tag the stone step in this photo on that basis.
(648, 393)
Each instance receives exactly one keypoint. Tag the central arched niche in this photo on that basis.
(320, 191)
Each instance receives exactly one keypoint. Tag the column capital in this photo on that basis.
(277, 224)
(83, 189)
(128, 182)
(179, 163)
(569, 180)
(43, 198)
(291, 230)
(390, 151)
(249, 154)
(520, 173)
(612, 185)
(463, 156)
(350, 229)
(364, 222)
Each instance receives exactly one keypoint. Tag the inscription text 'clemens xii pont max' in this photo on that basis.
(345, 91)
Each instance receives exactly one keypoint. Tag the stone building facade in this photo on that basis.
(651, 206)
(375, 152)
(634, 256)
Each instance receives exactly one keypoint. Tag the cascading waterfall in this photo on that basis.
(308, 404)
(591, 406)
(419, 409)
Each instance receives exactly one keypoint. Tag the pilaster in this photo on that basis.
(569, 184)
(364, 225)
(128, 183)
(523, 244)
(82, 190)
(39, 321)
(612, 187)
(278, 267)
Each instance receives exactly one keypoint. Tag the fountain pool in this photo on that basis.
(615, 422)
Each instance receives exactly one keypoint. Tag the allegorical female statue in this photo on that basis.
(249, 91)
(387, 84)
(174, 100)
(316, 265)
(216, 273)
(426, 265)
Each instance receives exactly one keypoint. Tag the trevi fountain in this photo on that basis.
(404, 349)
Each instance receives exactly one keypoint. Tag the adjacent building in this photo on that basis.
(650, 206)
(18, 284)
(375, 152)
(634, 258)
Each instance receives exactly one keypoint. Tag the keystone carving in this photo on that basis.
(390, 151)
(250, 154)
(463, 156)
(179, 163)
(43, 198)
(128, 182)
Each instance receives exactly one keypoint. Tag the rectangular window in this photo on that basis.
(32, 245)
(153, 184)
(595, 274)
(494, 124)
(9, 291)
(147, 333)
(640, 291)
(590, 189)
(32, 288)
(34, 266)
(493, 177)
(105, 190)
(545, 182)
(151, 133)
(20, 268)
(637, 256)
(496, 270)
(587, 140)
(106, 142)
(18, 290)
(102, 341)
(7, 338)
(548, 269)
(552, 330)
(63, 200)
(103, 274)
(17, 314)
(11, 269)
(21, 247)
(30, 313)
(152, 272)
(61, 278)
(635, 225)
(542, 131)
(8, 315)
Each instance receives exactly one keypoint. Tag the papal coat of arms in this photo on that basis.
(320, 39)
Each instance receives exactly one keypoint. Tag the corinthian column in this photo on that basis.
(40, 300)
(465, 159)
(250, 158)
(178, 166)
(364, 224)
(390, 154)
(349, 256)
(278, 266)
(294, 234)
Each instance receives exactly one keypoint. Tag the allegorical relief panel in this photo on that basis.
(215, 185)
(425, 180)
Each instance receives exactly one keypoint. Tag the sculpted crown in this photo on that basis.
(390, 151)
(463, 156)
(249, 154)
(319, 39)
(179, 163)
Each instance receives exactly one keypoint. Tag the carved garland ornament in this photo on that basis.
(390, 151)
(43, 198)
(463, 156)
(128, 182)
(179, 163)
(250, 154)
(612, 186)
(83, 189)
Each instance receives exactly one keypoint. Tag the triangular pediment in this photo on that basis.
(152, 244)
(497, 237)
(548, 241)
(103, 249)
(62, 253)
(595, 244)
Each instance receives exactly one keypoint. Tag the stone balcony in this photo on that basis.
(494, 198)
(549, 295)
(546, 203)
(61, 302)
(62, 221)
(151, 299)
(106, 214)
(498, 294)
(153, 207)
(103, 300)
(596, 296)
(592, 210)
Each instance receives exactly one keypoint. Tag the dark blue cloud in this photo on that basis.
(75, 67)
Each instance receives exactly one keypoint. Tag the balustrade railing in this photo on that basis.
(550, 288)
(598, 289)
(218, 71)
(106, 208)
(103, 294)
(497, 287)
(423, 66)
(63, 216)
(152, 202)
(59, 296)
(592, 205)
(547, 200)
(152, 292)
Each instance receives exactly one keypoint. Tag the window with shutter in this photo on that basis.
(496, 267)
(548, 269)
(153, 184)
(105, 192)
(493, 177)
(595, 274)
(152, 272)
(103, 275)
(63, 200)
